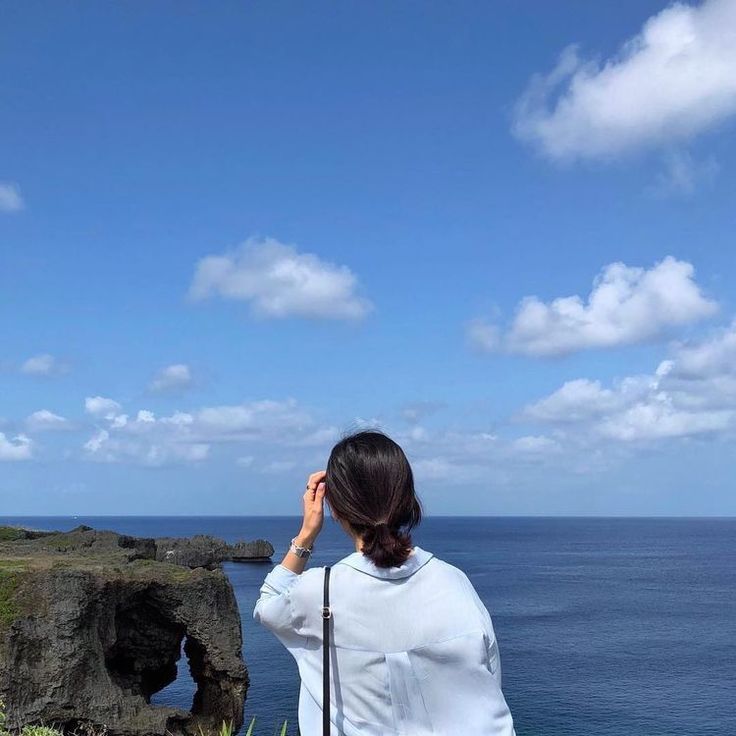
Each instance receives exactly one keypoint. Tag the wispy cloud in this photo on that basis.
(584, 426)
(100, 406)
(149, 439)
(171, 379)
(19, 447)
(278, 281)
(626, 305)
(671, 82)
(278, 467)
(682, 174)
(458, 457)
(418, 410)
(483, 335)
(10, 197)
(535, 444)
(42, 365)
(46, 421)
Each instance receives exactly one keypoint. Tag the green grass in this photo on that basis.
(278, 731)
(8, 605)
(226, 729)
(10, 533)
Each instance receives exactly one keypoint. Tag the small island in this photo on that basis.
(92, 624)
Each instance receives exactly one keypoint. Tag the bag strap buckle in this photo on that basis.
(326, 612)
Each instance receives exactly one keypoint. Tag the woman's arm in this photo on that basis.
(314, 515)
(504, 722)
(273, 607)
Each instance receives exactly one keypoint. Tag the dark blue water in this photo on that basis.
(617, 627)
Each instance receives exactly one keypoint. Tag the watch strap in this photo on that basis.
(300, 551)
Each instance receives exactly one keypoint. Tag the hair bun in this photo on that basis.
(385, 545)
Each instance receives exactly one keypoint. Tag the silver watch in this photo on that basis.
(300, 551)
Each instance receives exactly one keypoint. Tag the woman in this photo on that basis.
(412, 646)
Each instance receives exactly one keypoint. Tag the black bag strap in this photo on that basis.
(326, 615)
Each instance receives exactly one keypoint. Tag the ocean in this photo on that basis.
(607, 627)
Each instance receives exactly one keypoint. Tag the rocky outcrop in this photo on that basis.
(92, 625)
(206, 551)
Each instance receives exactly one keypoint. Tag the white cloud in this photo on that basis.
(97, 442)
(100, 406)
(245, 461)
(278, 281)
(146, 440)
(10, 197)
(658, 417)
(453, 470)
(691, 394)
(671, 82)
(457, 457)
(436, 468)
(702, 375)
(417, 433)
(45, 420)
(41, 365)
(257, 419)
(706, 359)
(17, 448)
(320, 437)
(626, 305)
(582, 399)
(535, 444)
(187, 436)
(172, 378)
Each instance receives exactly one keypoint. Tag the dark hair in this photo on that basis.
(370, 486)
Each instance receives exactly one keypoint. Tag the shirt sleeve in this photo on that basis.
(504, 720)
(274, 608)
(494, 657)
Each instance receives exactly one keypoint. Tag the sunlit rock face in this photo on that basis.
(206, 551)
(92, 626)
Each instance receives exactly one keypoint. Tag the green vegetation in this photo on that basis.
(225, 730)
(39, 730)
(8, 606)
(11, 533)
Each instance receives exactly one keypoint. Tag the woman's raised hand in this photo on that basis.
(314, 514)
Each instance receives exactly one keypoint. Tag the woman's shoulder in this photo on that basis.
(448, 570)
(313, 577)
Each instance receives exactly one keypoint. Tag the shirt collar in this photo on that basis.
(360, 562)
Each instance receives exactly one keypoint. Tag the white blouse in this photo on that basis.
(413, 650)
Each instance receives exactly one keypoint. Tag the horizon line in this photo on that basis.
(427, 516)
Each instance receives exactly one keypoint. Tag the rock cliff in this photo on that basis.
(92, 625)
(205, 551)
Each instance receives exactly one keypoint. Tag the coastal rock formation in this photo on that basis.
(206, 551)
(92, 625)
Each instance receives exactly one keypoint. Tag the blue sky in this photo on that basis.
(502, 232)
